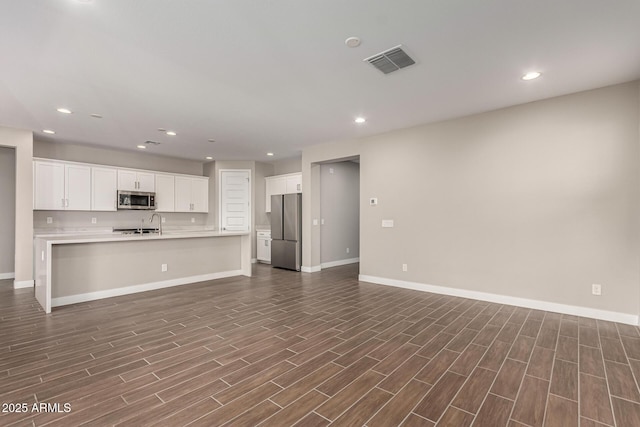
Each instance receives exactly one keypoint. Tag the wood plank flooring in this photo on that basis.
(285, 348)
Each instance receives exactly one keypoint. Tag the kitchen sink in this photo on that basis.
(136, 230)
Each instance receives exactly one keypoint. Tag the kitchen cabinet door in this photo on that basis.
(274, 185)
(48, 186)
(127, 180)
(165, 193)
(77, 184)
(294, 183)
(146, 181)
(183, 194)
(104, 189)
(200, 195)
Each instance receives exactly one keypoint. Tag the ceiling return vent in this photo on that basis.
(149, 142)
(390, 60)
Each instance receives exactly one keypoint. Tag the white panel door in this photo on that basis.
(49, 186)
(165, 193)
(77, 185)
(104, 189)
(235, 193)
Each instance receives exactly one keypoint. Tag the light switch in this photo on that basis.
(387, 223)
(373, 201)
(315, 222)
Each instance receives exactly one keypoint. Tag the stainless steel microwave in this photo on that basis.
(136, 200)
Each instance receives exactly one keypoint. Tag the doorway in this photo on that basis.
(339, 212)
(7, 212)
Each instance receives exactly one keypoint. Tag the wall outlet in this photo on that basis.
(596, 289)
(315, 221)
(347, 250)
(164, 220)
(94, 220)
(387, 223)
(330, 170)
(373, 201)
(193, 220)
(404, 267)
(322, 221)
(164, 267)
(49, 220)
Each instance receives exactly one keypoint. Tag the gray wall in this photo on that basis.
(340, 210)
(262, 170)
(536, 201)
(110, 157)
(7, 210)
(291, 165)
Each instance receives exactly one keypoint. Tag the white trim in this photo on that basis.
(313, 269)
(20, 284)
(613, 316)
(339, 262)
(90, 296)
(7, 276)
(254, 260)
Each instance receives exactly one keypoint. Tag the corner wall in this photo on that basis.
(22, 141)
(7, 212)
(527, 205)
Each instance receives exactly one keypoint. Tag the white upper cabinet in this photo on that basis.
(192, 194)
(60, 186)
(104, 189)
(282, 184)
(132, 180)
(165, 193)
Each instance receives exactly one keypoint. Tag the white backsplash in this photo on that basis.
(119, 219)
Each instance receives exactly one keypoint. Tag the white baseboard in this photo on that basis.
(19, 284)
(312, 269)
(90, 296)
(612, 316)
(7, 276)
(339, 262)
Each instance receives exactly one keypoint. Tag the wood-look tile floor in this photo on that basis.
(285, 348)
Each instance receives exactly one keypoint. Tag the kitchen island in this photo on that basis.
(73, 268)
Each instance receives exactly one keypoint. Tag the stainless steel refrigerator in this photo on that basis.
(286, 231)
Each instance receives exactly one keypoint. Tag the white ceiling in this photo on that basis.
(275, 75)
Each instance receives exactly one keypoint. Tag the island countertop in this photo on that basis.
(74, 267)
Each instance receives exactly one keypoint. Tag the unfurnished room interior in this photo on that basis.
(312, 213)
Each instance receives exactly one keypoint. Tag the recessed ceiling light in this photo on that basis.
(360, 120)
(209, 158)
(49, 131)
(63, 110)
(96, 116)
(531, 75)
(142, 147)
(269, 154)
(352, 42)
(171, 133)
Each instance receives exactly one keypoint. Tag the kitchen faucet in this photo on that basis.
(159, 221)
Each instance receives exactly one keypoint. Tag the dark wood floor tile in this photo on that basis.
(487, 335)
(588, 336)
(353, 342)
(561, 412)
(567, 349)
(612, 350)
(621, 382)
(434, 346)
(500, 318)
(586, 321)
(531, 328)
(590, 361)
(254, 416)
(343, 378)
(337, 404)
(427, 335)
(438, 398)
(547, 338)
(508, 381)
(305, 369)
(389, 346)
(414, 420)
(628, 330)
(627, 413)
(632, 346)
(358, 352)
(519, 316)
(522, 348)
(569, 328)
(418, 326)
(564, 381)
(306, 384)
(88, 415)
(363, 409)
(462, 340)
(594, 399)
(479, 322)
(508, 333)
(296, 411)
(254, 368)
(468, 360)
(312, 420)
(433, 370)
(607, 329)
(315, 351)
(531, 402)
(454, 417)
(494, 412)
(448, 318)
(586, 422)
(541, 363)
(391, 362)
(474, 390)
(457, 325)
(495, 355)
(398, 378)
(397, 409)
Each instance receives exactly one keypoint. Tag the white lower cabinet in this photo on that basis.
(263, 250)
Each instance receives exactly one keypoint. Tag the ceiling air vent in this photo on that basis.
(390, 60)
(151, 143)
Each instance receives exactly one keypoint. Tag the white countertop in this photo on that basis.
(89, 237)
